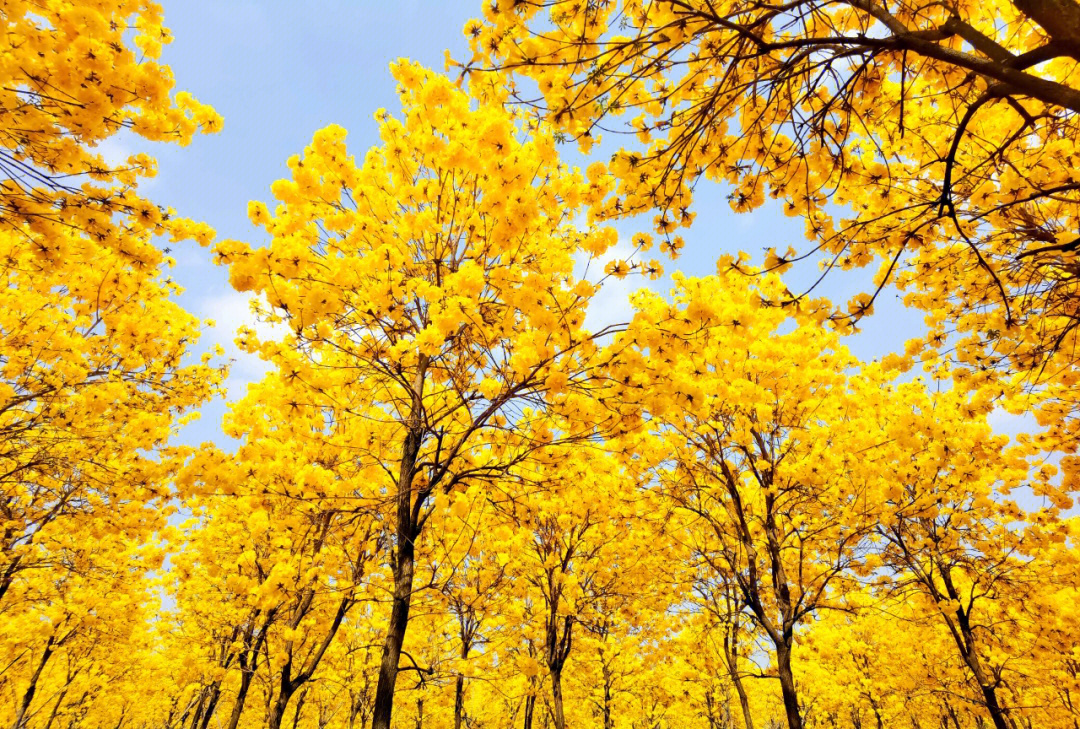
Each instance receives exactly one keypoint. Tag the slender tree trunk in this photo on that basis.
(28, 697)
(966, 642)
(459, 701)
(952, 715)
(731, 658)
(395, 635)
(56, 708)
(877, 714)
(248, 660)
(199, 707)
(356, 711)
(299, 708)
(557, 699)
(277, 710)
(459, 683)
(8, 577)
(211, 705)
(82, 712)
(404, 564)
(787, 686)
(997, 715)
(609, 720)
(744, 700)
(241, 696)
(530, 708)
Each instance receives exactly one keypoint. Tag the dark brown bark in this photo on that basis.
(731, 659)
(241, 698)
(77, 716)
(248, 661)
(952, 715)
(299, 708)
(56, 708)
(28, 696)
(277, 709)
(211, 704)
(467, 628)
(557, 714)
(877, 714)
(609, 719)
(288, 684)
(9, 576)
(530, 709)
(459, 701)
(358, 711)
(787, 686)
(200, 707)
(403, 563)
(1059, 18)
(997, 714)
(966, 641)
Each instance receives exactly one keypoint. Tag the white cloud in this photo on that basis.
(230, 311)
(611, 304)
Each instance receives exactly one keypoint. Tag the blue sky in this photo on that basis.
(278, 71)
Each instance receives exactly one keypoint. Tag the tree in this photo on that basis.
(291, 512)
(752, 432)
(434, 283)
(578, 561)
(93, 384)
(96, 372)
(953, 536)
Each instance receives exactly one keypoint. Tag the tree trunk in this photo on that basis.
(731, 658)
(28, 697)
(211, 705)
(952, 715)
(200, 707)
(459, 701)
(56, 708)
(877, 714)
(404, 564)
(8, 577)
(355, 711)
(395, 636)
(557, 699)
(241, 696)
(992, 706)
(530, 707)
(299, 708)
(609, 720)
(744, 700)
(787, 686)
(277, 711)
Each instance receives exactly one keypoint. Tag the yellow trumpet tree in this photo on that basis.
(583, 565)
(744, 413)
(434, 283)
(96, 371)
(286, 542)
(957, 541)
